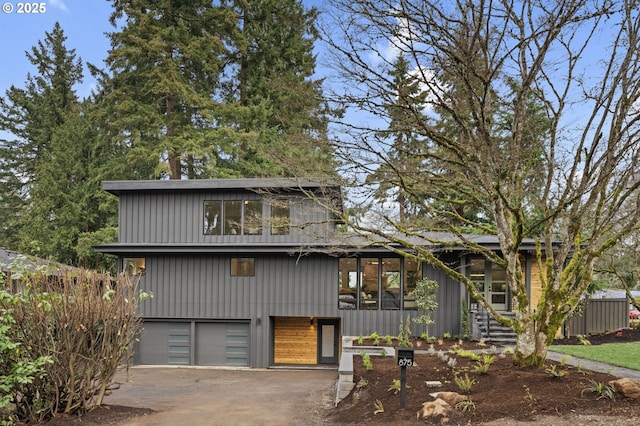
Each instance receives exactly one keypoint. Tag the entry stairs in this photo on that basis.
(485, 327)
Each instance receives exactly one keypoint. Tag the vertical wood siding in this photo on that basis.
(201, 287)
(178, 217)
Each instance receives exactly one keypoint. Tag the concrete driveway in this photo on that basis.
(206, 396)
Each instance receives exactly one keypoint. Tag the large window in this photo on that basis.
(412, 274)
(377, 283)
(280, 217)
(233, 217)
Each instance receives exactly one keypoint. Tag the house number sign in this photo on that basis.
(404, 358)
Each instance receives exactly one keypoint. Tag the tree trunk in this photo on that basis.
(531, 346)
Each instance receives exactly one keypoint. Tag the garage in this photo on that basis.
(194, 343)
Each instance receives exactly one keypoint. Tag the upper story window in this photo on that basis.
(233, 217)
(280, 218)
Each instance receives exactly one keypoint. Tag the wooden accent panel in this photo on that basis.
(536, 283)
(296, 341)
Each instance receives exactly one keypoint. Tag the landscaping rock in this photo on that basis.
(451, 398)
(434, 409)
(627, 387)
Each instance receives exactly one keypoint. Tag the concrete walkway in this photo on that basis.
(600, 367)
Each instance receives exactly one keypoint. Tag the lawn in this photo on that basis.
(618, 354)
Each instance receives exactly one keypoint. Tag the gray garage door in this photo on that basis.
(214, 343)
(222, 344)
(165, 343)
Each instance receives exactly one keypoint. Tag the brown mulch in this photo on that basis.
(504, 392)
(504, 395)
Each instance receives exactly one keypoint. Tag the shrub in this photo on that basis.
(85, 323)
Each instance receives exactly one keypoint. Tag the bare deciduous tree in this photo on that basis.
(530, 122)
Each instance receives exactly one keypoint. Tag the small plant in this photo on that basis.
(446, 335)
(362, 383)
(360, 340)
(531, 398)
(483, 364)
(379, 407)
(388, 340)
(555, 373)
(395, 386)
(464, 383)
(583, 340)
(383, 353)
(602, 389)
(375, 338)
(451, 363)
(466, 405)
(366, 361)
(404, 333)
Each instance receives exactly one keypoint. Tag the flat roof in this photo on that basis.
(117, 186)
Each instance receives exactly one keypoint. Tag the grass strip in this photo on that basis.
(618, 354)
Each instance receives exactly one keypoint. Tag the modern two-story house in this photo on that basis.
(255, 272)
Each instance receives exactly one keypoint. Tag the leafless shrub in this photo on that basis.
(86, 322)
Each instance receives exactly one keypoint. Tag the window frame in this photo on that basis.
(223, 226)
(242, 263)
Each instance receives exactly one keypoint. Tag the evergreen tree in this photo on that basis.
(273, 101)
(395, 177)
(30, 117)
(163, 71)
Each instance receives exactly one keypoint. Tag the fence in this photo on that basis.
(599, 316)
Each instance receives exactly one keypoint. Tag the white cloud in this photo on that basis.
(59, 4)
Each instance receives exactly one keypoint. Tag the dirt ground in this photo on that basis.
(505, 395)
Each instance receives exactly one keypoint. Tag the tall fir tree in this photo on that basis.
(30, 117)
(273, 99)
(162, 72)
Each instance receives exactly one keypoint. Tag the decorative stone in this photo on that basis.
(434, 409)
(627, 387)
(433, 383)
(451, 398)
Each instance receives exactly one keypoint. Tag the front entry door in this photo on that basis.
(490, 281)
(328, 338)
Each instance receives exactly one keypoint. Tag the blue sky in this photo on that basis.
(83, 21)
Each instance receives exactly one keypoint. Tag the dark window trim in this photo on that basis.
(241, 272)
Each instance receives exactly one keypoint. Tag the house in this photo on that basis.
(255, 272)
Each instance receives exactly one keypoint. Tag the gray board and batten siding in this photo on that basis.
(198, 288)
(158, 212)
(200, 314)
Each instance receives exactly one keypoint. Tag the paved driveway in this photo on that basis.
(202, 396)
